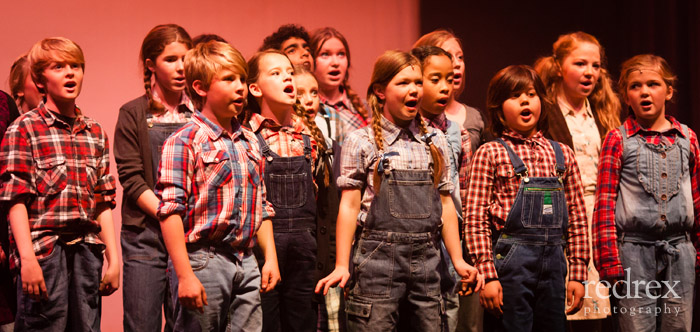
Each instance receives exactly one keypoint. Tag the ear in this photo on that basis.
(379, 91)
(151, 65)
(198, 87)
(669, 93)
(254, 89)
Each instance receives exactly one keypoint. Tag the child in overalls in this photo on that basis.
(525, 213)
(405, 207)
(647, 204)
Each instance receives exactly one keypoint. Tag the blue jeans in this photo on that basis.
(72, 275)
(233, 292)
(146, 285)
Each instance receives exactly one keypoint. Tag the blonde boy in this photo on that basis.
(55, 178)
(213, 202)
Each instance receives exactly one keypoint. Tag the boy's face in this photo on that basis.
(522, 111)
(647, 94)
(298, 52)
(437, 84)
(62, 81)
(227, 94)
(307, 92)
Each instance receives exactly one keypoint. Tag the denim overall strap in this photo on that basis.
(157, 134)
(559, 156)
(517, 163)
(264, 148)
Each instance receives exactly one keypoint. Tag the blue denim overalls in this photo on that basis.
(654, 214)
(290, 189)
(145, 255)
(397, 255)
(529, 251)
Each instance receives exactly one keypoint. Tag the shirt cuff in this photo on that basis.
(578, 271)
(613, 272)
(166, 209)
(488, 269)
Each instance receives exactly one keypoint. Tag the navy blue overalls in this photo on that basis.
(529, 251)
(397, 257)
(290, 189)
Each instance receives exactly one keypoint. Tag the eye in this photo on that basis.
(434, 80)
(314, 93)
(291, 50)
(323, 54)
(596, 65)
(419, 82)
(450, 80)
(58, 66)
(341, 54)
(532, 94)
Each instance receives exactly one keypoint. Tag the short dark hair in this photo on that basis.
(205, 37)
(284, 32)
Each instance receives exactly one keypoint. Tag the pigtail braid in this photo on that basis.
(438, 160)
(153, 105)
(356, 102)
(317, 135)
(375, 106)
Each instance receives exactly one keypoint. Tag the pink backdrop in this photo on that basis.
(110, 34)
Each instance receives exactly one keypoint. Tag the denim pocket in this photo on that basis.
(542, 207)
(51, 175)
(503, 251)
(374, 268)
(287, 191)
(354, 307)
(199, 259)
(410, 199)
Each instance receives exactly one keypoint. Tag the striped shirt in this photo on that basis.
(359, 156)
(213, 180)
(493, 186)
(606, 253)
(62, 173)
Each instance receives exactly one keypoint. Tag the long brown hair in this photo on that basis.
(318, 38)
(385, 68)
(153, 45)
(507, 82)
(603, 99)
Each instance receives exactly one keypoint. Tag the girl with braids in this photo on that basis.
(142, 127)
(290, 163)
(404, 209)
(332, 61)
(586, 110)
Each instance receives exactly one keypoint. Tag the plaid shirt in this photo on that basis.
(462, 168)
(350, 118)
(285, 141)
(493, 186)
(213, 179)
(606, 254)
(359, 155)
(61, 172)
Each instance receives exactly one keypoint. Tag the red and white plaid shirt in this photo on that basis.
(493, 186)
(61, 172)
(285, 141)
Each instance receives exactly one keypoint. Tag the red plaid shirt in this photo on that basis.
(606, 254)
(493, 186)
(350, 118)
(283, 140)
(61, 172)
(213, 179)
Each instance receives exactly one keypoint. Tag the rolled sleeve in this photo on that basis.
(356, 156)
(106, 187)
(176, 173)
(16, 168)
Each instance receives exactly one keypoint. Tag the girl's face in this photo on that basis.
(276, 80)
(580, 71)
(402, 96)
(32, 96)
(452, 46)
(522, 111)
(331, 64)
(646, 94)
(307, 92)
(169, 67)
(437, 84)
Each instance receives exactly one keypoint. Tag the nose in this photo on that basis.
(524, 100)
(334, 61)
(305, 53)
(444, 87)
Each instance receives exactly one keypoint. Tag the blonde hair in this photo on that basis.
(320, 37)
(386, 67)
(152, 46)
(206, 60)
(18, 74)
(54, 49)
(645, 61)
(603, 99)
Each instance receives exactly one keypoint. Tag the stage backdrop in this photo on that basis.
(110, 34)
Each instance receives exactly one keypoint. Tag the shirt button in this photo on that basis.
(216, 160)
(663, 197)
(663, 155)
(323, 229)
(363, 251)
(663, 217)
(664, 175)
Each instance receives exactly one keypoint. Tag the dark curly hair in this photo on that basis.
(284, 32)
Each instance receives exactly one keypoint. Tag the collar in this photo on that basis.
(214, 131)
(185, 101)
(257, 122)
(566, 109)
(537, 138)
(343, 102)
(51, 118)
(438, 122)
(632, 126)
(392, 132)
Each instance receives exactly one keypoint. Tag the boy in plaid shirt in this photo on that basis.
(213, 202)
(55, 178)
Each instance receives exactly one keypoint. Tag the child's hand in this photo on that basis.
(110, 282)
(574, 297)
(471, 281)
(33, 280)
(339, 276)
(270, 276)
(191, 293)
(492, 298)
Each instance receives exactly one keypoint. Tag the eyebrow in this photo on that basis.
(295, 45)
